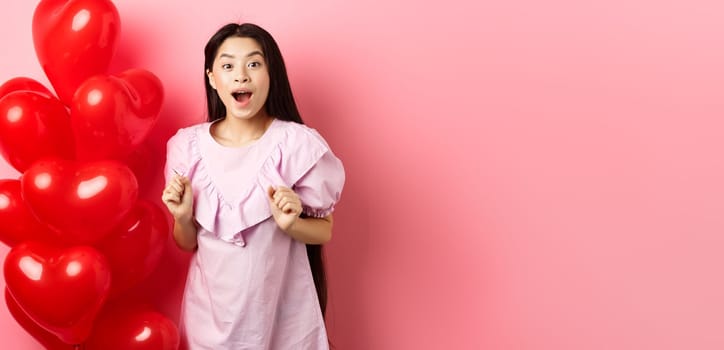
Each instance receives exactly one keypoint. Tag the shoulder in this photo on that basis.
(184, 134)
(299, 149)
(301, 136)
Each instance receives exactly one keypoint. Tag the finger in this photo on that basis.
(186, 184)
(278, 199)
(288, 208)
(286, 191)
(175, 197)
(168, 198)
(170, 184)
(176, 187)
(271, 191)
(174, 192)
(286, 198)
(171, 191)
(277, 195)
(187, 193)
(283, 201)
(294, 199)
(282, 189)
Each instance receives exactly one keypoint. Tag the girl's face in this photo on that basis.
(240, 77)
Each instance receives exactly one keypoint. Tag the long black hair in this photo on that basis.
(279, 104)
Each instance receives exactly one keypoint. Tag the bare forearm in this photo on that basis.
(312, 230)
(184, 233)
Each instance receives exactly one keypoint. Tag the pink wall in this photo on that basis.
(521, 174)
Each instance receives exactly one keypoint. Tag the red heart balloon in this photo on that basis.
(125, 327)
(112, 115)
(23, 84)
(142, 161)
(81, 201)
(61, 290)
(47, 339)
(34, 125)
(74, 40)
(134, 248)
(17, 223)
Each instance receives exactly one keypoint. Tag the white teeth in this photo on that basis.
(237, 94)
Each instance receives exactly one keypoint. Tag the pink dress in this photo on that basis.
(249, 284)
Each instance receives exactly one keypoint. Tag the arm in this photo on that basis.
(184, 233)
(311, 230)
(178, 198)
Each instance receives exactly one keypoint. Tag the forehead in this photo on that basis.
(238, 47)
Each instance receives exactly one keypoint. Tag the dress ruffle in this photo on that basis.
(291, 155)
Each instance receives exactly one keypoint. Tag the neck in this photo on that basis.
(233, 131)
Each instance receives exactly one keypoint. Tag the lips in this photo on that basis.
(241, 96)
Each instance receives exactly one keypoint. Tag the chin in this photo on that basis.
(243, 115)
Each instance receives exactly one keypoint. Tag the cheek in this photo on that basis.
(264, 94)
(265, 85)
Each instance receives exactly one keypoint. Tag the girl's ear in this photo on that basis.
(210, 76)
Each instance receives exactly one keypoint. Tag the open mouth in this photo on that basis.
(241, 96)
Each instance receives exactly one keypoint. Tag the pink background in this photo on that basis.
(521, 174)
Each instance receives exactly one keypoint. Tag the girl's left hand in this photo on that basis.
(285, 206)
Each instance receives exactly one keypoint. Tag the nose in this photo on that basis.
(242, 77)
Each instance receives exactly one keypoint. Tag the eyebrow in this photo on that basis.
(226, 55)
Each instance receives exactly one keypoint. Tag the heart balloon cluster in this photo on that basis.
(80, 237)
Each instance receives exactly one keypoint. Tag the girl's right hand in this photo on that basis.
(179, 198)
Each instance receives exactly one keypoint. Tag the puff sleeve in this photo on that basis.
(178, 154)
(306, 164)
(311, 169)
(320, 188)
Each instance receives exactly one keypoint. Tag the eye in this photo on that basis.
(226, 66)
(254, 64)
